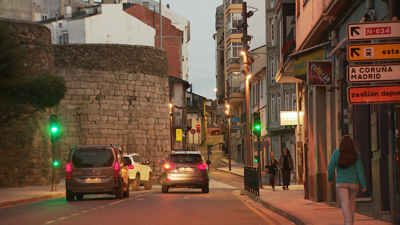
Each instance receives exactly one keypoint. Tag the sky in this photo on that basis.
(201, 15)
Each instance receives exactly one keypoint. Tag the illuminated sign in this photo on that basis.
(290, 118)
(373, 94)
(178, 134)
(373, 73)
(319, 72)
(373, 52)
(370, 31)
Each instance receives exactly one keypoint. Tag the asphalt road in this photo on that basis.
(223, 205)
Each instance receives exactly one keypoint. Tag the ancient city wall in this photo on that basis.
(116, 94)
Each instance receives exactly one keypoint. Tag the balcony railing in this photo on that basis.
(228, 2)
(233, 31)
(232, 60)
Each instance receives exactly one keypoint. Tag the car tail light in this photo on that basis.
(202, 166)
(168, 179)
(131, 167)
(116, 169)
(202, 179)
(169, 166)
(68, 171)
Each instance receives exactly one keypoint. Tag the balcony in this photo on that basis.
(228, 2)
(233, 31)
(232, 60)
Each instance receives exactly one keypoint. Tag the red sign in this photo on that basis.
(373, 94)
(198, 130)
(378, 30)
(193, 131)
(319, 72)
(198, 126)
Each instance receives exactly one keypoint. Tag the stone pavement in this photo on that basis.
(292, 205)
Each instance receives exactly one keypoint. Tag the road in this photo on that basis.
(223, 205)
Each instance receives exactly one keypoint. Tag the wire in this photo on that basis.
(201, 71)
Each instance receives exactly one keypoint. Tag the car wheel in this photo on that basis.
(149, 184)
(70, 197)
(126, 193)
(136, 183)
(79, 197)
(205, 189)
(164, 189)
(120, 191)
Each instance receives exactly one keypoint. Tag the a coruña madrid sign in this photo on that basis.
(373, 73)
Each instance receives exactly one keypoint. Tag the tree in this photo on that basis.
(20, 92)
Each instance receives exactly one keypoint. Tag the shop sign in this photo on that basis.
(320, 72)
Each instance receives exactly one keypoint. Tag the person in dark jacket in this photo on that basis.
(272, 169)
(286, 163)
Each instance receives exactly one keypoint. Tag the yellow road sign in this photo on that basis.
(178, 134)
(373, 52)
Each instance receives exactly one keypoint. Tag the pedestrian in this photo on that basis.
(224, 149)
(272, 169)
(350, 174)
(286, 163)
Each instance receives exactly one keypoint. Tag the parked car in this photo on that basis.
(96, 169)
(139, 172)
(185, 169)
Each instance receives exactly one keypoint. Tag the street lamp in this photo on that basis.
(171, 106)
(228, 115)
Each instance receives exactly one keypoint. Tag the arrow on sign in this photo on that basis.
(354, 50)
(354, 29)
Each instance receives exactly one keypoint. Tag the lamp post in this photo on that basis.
(228, 114)
(170, 115)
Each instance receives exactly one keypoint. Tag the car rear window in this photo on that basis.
(185, 158)
(92, 158)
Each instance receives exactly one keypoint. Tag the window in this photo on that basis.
(258, 92)
(44, 17)
(65, 38)
(272, 108)
(287, 103)
(188, 101)
(232, 55)
(272, 32)
(294, 102)
(272, 3)
(92, 158)
(233, 82)
(254, 95)
(278, 106)
(262, 88)
(60, 25)
(60, 40)
(272, 71)
(233, 20)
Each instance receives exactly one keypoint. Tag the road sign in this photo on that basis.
(198, 130)
(373, 73)
(235, 127)
(178, 134)
(371, 31)
(198, 126)
(266, 144)
(235, 119)
(192, 131)
(373, 52)
(373, 94)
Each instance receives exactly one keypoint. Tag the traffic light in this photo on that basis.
(256, 159)
(54, 128)
(209, 149)
(256, 124)
(55, 163)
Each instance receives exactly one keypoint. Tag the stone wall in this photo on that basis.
(25, 148)
(116, 94)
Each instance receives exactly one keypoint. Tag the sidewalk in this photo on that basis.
(21, 195)
(292, 205)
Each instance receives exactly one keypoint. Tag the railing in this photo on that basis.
(232, 60)
(251, 180)
(233, 31)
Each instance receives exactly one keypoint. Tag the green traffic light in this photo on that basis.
(255, 160)
(55, 163)
(54, 129)
(257, 127)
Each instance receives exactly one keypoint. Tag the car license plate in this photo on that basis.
(188, 169)
(94, 180)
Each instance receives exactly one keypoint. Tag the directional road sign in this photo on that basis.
(370, 31)
(373, 52)
(373, 73)
(373, 94)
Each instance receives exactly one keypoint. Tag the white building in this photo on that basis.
(105, 23)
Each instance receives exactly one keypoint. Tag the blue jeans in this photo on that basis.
(347, 193)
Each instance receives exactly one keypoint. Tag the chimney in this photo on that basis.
(146, 4)
(68, 11)
(91, 2)
(168, 6)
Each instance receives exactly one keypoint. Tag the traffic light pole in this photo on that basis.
(259, 162)
(53, 179)
(229, 141)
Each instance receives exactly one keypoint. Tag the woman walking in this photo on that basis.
(350, 174)
(286, 163)
(272, 169)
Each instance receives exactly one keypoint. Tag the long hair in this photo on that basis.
(348, 152)
(288, 152)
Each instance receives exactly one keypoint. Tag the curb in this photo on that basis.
(290, 216)
(29, 200)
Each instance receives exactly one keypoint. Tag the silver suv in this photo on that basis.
(96, 169)
(185, 169)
